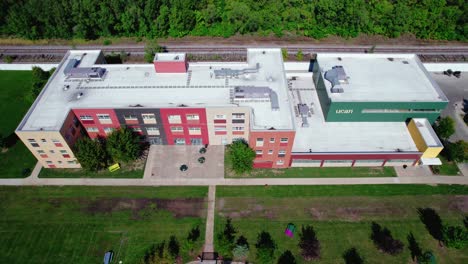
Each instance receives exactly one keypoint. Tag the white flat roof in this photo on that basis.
(126, 85)
(381, 78)
(323, 136)
(169, 57)
(428, 134)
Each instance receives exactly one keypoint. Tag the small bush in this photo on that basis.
(299, 55)
(8, 59)
(107, 42)
(265, 248)
(455, 236)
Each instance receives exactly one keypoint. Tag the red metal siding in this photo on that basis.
(263, 165)
(170, 66)
(357, 156)
(185, 124)
(93, 113)
(276, 146)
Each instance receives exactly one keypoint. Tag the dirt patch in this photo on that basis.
(459, 203)
(181, 207)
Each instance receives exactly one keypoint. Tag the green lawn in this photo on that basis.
(79, 173)
(449, 168)
(15, 86)
(329, 172)
(79, 224)
(342, 217)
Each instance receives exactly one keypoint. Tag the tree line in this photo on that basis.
(90, 19)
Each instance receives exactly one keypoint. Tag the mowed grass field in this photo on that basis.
(79, 224)
(342, 217)
(14, 88)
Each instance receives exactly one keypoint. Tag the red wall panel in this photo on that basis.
(170, 66)
(276, 146)
(185, 124)
(93, 113)
(357, 156)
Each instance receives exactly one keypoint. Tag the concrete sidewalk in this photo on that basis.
(210, 220)
(30, 181)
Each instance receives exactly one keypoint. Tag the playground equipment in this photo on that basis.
(114, 167)
(290, 230)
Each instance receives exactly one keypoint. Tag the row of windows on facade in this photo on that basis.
(356, 161)
(155, 130)
(49, 162)
(43, 154)
(151, 118)
(35, 144)
(259, 142)
(281, 153)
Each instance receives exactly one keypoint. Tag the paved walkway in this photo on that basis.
(210, 220)
(237, 182)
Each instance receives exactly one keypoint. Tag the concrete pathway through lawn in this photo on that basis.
(32, 181)
(210, 220)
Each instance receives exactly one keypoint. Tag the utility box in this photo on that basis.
(170, 63)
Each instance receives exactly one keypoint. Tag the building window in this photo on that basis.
(59, 162)
(174, 119)
(220, 128)
(92, 129)
(238, 128)
(130, 117)
(259, 142)
(196, 141)
(71, 162)
(194, 130)
(259, 152)
(338, 161)
(270, 152)
(40, 152)
(284, 140)
(63, 151)
(108, 130)
(220, 117)
(279, 162)
(193, 117)
(238, 116)
(52, 151)
(152, 131)
(67, 156)
(149, 118)
(281, 153)
(35, 145)
(177, 129)
(43, 140)
(104, 118)
(86, 117)
(272, 140)
(137, 129)
(57, 143)
(48, 162)
(179, 141)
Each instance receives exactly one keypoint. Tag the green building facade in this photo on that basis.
(366, 111)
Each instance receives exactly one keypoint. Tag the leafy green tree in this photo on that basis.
(240, 252)
(445, 127)
(266, 247)
(309, 244)
(457, 151)
(90, 154)
(426, 258)
(299, 55)
(455, 236)
(241, 156)
(284, 53)
(39, 80)
(123, 145)
(157, 254)
(226, 237)
(151, 48)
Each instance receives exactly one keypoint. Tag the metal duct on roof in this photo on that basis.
(336, 76)
(244, 93)
(229, 73)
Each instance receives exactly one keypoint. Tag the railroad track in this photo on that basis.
(61, 50)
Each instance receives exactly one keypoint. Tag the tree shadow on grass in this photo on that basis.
(414, 247)
(11, 140)
(383, 240)
(351, 256)
(287, 258)
(432, 221)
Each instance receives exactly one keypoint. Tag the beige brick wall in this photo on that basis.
(230, 134)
